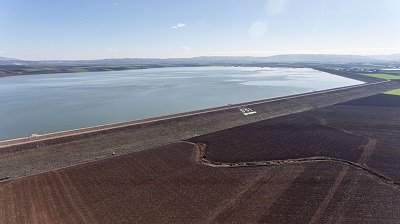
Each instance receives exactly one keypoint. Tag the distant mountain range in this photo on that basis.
(287, 58)
(7, 59)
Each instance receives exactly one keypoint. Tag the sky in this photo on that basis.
(92, 29)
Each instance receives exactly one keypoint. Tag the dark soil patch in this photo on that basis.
(380, 124)
(287, 137)
(380, 100)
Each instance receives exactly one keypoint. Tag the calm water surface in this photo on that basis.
(56, 102)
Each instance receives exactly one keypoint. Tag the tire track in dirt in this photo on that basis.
(42, 186)
(226, 205)
(22, 196)
(71, 199)
(368, 149)
(324, 204)
(246, 208)
(30, 203)
(60, 197)
(88, 217)
(338, 215)
(39, 210)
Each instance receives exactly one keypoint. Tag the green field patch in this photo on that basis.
(394, 92)
(383, 76)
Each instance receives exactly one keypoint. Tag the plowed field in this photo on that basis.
(168, 185)
(378, 118)
(380, 100)
(288, 137)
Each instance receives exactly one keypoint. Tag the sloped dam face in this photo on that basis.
(55, 102)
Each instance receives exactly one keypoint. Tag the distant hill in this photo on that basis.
(205, 60)
(317, 58)
(391, 57)
(7, 59)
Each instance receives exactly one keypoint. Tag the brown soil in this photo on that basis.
(380, 100)
(374, 118)
(167, 185)
(288, 137)
(365, 135)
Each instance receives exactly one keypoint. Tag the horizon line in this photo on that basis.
(210, 56)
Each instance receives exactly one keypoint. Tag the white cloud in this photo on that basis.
(179, 25)
(2, 52)
(186, 48)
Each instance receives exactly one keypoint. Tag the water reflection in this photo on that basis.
(55, 102)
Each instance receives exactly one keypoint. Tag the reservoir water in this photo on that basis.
(55, 102)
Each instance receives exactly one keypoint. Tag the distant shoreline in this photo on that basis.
(27, 70)
(19, 70)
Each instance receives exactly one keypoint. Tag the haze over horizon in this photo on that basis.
(76, 30)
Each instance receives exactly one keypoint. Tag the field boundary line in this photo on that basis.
(202, 159)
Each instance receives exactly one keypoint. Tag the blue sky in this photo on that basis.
(93, 29)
